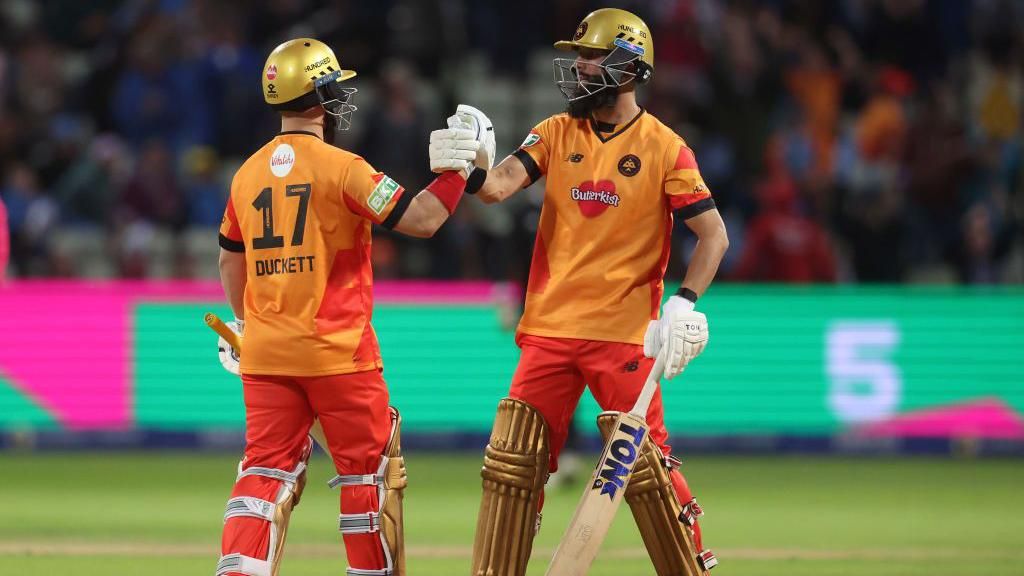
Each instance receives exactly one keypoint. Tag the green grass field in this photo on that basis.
(160, 514)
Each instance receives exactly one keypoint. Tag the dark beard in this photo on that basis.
(584, 107)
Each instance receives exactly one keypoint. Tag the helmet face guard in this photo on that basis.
(617, 69)
(336, 100)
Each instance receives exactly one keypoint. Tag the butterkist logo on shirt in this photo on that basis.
(594, 198)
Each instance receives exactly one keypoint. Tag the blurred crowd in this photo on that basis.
(844, 141)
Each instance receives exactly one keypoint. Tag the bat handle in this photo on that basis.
(222, 330)
(643, 402)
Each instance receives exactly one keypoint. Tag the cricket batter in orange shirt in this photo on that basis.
(295, 266)
(616, 177)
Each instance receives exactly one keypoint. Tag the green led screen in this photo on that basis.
(778, 361)
(781, 360)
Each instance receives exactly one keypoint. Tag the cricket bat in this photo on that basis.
(222, 330)
(601, 498)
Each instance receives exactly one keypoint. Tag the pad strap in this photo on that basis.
(355, 480)
(707, 560)
(365, 572)
(289, 477)
(365, 523)
(250, 506)
(376, 479)
(238, 563)
(690, 512)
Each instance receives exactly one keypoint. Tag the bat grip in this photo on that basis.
(218, 326)
(643, 402)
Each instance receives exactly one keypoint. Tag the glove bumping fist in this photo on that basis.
(466, 146)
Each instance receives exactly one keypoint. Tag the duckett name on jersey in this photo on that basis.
(289, 265)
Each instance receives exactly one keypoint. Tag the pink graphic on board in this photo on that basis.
(983, 418)
(80, 373)
(82, 384)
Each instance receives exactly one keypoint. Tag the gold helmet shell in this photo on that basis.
(608, 28)
(295, 69)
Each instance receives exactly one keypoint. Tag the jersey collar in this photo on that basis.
(306, 132)
(602, 128)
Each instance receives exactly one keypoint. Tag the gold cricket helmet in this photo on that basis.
(608, 28)
(304, 72)
(623, 36)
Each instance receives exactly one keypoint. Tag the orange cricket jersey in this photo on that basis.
(603, 238)
(301, 210)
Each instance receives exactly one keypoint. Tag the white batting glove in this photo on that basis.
(479, 122)
(681, 329)
(453, 148)
(228, 355)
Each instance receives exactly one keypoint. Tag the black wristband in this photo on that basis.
(687, 293)
(476, 180)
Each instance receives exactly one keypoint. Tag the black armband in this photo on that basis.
(696, 209)
(230, 245)
(399, 210)
(532, 170)
(686, 293)
(476, 180)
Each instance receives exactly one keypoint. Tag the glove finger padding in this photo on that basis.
(452, 148)
(454, 133)
(442, 152)
(456, 121)
(449, 164)
(228, 356)
(484, 129)
(698, 347)
(450, 144)
(675, 356)
(676, 367)
(652, 343)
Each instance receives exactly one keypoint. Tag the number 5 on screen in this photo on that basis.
(865, 383)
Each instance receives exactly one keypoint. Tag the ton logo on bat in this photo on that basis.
(621, 456)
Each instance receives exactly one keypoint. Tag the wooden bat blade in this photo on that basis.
(601, 498)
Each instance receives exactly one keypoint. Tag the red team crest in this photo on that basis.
(271, 72)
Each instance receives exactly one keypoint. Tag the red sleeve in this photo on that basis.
(684, 185)
(368, 193)
(230, 233)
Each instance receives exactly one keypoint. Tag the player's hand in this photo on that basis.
(453, 148)
(481, 124)
(681, 330)
(228, 355)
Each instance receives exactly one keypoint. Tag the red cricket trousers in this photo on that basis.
(552, 373)
(279, 411)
